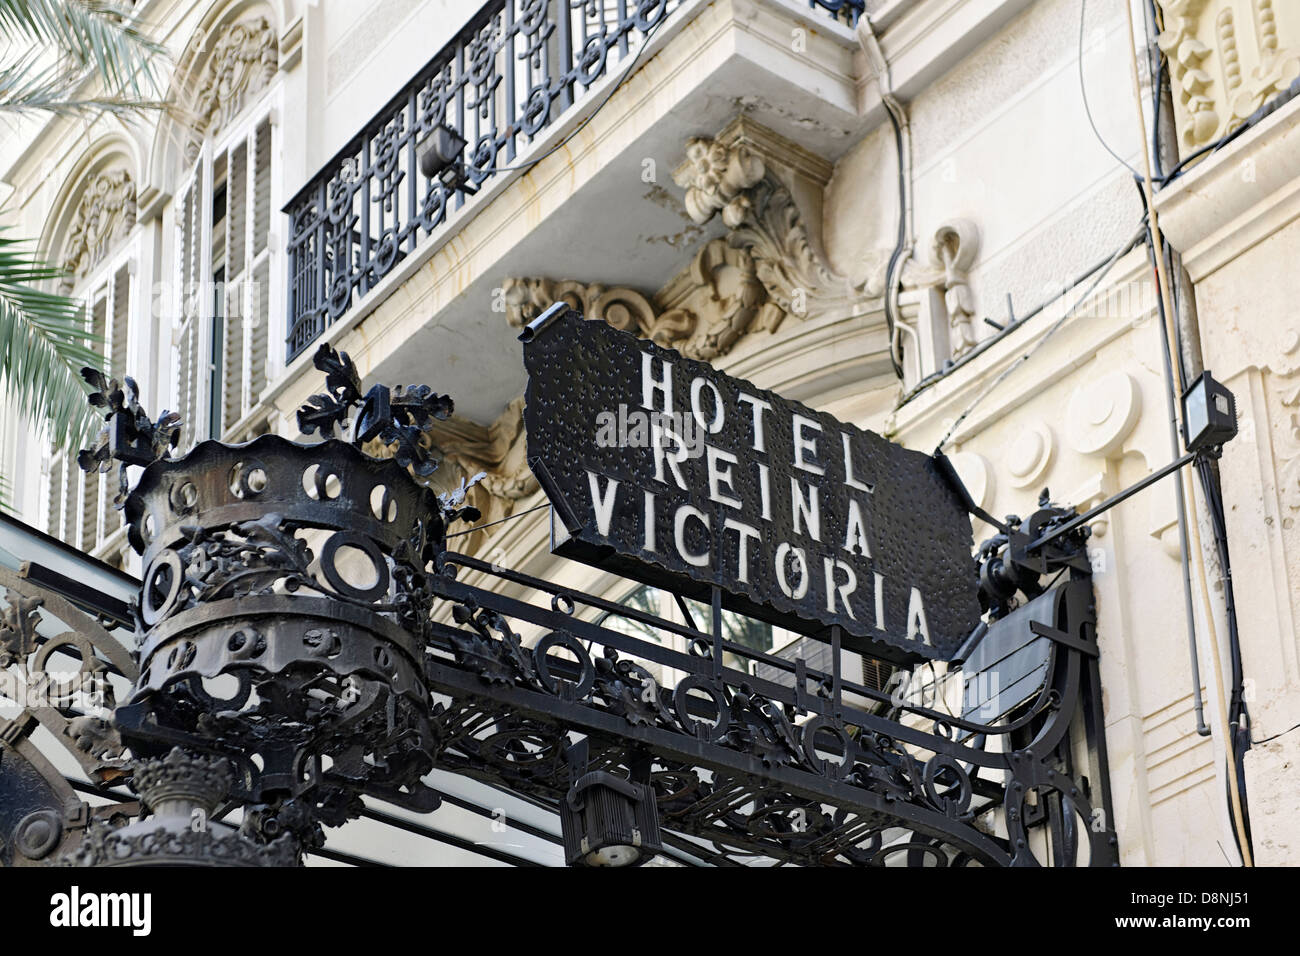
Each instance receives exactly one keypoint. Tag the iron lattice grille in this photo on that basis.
(511, 73)
(780, 769)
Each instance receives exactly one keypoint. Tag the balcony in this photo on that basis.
(512, 74)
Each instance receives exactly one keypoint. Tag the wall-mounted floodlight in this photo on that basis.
(440, 157)
(1209, 414)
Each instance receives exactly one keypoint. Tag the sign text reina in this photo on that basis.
(798, 470)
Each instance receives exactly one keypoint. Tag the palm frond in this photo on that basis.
(24, 88)
(93, 35)
(44, 343)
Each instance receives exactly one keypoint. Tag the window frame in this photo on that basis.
(197, 304)
(100, 284)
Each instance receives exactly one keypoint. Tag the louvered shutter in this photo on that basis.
(248, 275)
(71, 499)
(192, 269)
(260, 293)
(119, 312)
(99, 313)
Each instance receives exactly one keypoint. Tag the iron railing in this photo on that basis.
(512, 71)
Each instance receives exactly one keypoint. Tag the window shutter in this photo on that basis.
(118, 331)
(89, 510)
(258, 324)
(191, 272)
(247, 243)
(232, 386)
(261, 187)
(120, 297)
(236, 244)
(260, 299)
(99, 313)
(237, 198)
(71, 494)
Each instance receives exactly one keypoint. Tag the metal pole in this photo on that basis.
(1198, 706)
(1234, 789)
(1110, 502)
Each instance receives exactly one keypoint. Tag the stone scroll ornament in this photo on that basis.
(279, 633)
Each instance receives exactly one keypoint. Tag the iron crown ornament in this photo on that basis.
(284, 609)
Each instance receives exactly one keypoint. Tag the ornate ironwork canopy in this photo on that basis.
(303, 636)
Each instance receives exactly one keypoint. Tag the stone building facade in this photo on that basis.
(877, 210)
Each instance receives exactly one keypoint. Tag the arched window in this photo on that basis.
(223, 216)
(92, 234)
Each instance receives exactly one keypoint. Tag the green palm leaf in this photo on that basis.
(60, 57)
(87, 36)
(43, 345)
(26, 87)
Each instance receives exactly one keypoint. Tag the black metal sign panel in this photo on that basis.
(668, 471)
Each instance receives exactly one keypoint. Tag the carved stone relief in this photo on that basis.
(1101, 414)
(243, 60)
(1288, 396)
(716, 178)
(952, 253)
(106, 212)
(766, 269)
(1030, 455)
(701, 314)
(767, 224)
(500, 450)
(1226, 58)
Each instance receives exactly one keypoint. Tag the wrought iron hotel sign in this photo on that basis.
(668, 471)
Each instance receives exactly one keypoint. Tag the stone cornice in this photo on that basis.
(1236, 197)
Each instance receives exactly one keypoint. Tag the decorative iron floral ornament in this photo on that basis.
(396, 417)
(283, 614)
(128, 437)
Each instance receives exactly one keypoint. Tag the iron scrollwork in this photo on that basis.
(303, 638)
(782, 770)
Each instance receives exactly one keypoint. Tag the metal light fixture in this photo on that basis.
(440, 157)
(1209, 414)
(609, 821)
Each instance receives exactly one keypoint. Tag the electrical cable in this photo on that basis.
(1236, 790)
(1083, 93)
(891, 282)
(985, 344)
(898, 119)
(1251, 121)
(1275, 736)
(1238, 713)
(1046, 337)
(518, 514)
(1180, 505)
(1159, 71)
